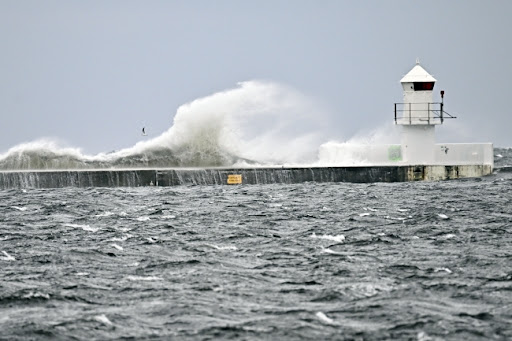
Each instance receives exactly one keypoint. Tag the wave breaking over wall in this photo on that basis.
(256, 123)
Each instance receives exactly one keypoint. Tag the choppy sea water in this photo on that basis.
(411, 261)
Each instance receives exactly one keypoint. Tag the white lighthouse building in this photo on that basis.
(417, 117)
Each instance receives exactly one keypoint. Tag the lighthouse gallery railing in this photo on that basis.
(420, 113)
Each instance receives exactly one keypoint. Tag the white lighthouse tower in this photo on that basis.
(418, 115)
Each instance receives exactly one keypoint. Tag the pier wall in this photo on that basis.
(219, 176)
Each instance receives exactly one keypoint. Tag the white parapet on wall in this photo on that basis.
(452, 154)
(352, 154)
(464, 154)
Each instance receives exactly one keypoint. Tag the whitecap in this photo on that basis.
(151, 240)
(117, 247)
(121, 239)
(117, 239)
(364, 214)
(8, 256)
(322, 317)
(87, 228)
(19, 208)
(144, 278)
(422, 336)
(442, 216)
(105, 214)
(143, 219)
(331, 252)
(443, 269)
(224, 248)
(103, 319)
(449, 236)
(36, 295)
(396, 218)
(82, 274)
(169, 216)
(339, 238)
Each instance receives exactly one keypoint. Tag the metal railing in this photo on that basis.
(420, 113)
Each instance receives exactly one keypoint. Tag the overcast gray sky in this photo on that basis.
(92, 73)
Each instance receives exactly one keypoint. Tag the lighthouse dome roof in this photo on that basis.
(417, 74)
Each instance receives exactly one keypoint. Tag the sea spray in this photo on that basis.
(380, 146)
(257, 122)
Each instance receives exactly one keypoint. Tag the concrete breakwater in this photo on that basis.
(220, 176)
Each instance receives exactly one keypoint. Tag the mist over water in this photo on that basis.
(257, 122)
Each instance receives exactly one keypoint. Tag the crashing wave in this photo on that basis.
(256, 122)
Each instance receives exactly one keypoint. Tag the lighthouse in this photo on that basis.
(418, 115)
(418, 153)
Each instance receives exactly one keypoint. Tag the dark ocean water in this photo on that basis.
(406, 261)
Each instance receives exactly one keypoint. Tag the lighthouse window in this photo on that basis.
(423, 86)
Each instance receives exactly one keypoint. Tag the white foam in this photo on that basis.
(82, 274)
(442, 216)
(117, 239)
(121, 239)
(364, 214)
(117, 247)
(143, 218)
(36, 295)
(169, 216)
(339, 238)
(103, 319)
(19, 208)
(87, 228)
(422, 336)
(144, 278)
(443, 269)
(105, 214)
(8, 257)
(322, 317)
(224, 248)
(396, 218)
(331, 252)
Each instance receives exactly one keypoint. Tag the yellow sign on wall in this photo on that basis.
(234, 179)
